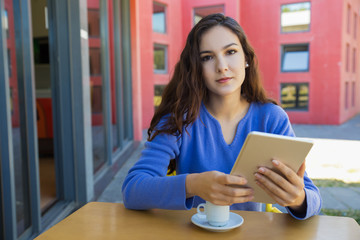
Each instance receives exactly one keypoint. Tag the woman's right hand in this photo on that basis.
(218, 188)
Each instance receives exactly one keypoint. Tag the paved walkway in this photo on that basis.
(329, 158)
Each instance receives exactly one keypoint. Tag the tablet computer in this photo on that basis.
(260, 148)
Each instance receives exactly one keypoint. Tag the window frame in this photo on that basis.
(206, 7)
(297, 31)
(294, 46)
(165, 47)
(165, 17)
(297, 85)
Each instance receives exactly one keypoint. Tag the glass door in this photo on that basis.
(44, 107)
(22, 195)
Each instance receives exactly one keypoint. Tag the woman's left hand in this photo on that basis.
(287, 191)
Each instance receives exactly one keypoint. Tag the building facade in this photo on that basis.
(80, 81)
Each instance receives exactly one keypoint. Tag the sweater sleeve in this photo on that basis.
(281, 125)
(146, 186)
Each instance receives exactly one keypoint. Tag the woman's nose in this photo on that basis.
(221, 65)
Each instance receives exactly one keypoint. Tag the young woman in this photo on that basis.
(214, 99)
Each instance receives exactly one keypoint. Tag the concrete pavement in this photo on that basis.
(329, 158)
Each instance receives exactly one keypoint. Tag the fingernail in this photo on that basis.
(257, 175)
(261, 170)
(276, 162)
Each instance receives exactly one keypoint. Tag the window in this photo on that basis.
(96, 99)
(295, 96)
(347, 57)
(348, 18)
(95, 61)
(201, 12)
(94, 23)
(159, 18)
(295, 17)
(355, 25)
(160, 58)
(295, 58)
(353, 95)
(158, 91)
(346, 95)
(354, 61)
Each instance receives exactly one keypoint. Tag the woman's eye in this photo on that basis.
(206, 58)
(230, 52)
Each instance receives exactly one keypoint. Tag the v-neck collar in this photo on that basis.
(218, 126)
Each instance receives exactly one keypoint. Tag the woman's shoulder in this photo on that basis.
(268, 109)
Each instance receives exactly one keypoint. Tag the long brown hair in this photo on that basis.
(186, 90)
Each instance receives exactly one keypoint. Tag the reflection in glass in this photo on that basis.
(295, 58)
(95, 61)
(44, 105)
(160, 59)
(96, 89)
(94, 23)
(295, 96)
(114, 133)
(295, 17)
(158, 90)
(201, 12)
(158, 18)
(21, 167)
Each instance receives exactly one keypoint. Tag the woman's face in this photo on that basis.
(223, 62)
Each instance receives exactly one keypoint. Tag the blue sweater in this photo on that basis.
(203, 149)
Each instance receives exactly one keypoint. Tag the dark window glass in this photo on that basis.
(347, 56)
(201, 12)
(159, 18)
(346, 95)
(348, 18)
(353, 95)
(94, 23)
(295, 96)
(41, 50)
(158, 91)
(295, 17)
(96, 99)
(355, 25)
(95, 61)
(354, 61)
(295, 58)
(160, 59)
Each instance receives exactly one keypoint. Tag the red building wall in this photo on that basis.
(349, 61)
(261, 22)
(327, 39)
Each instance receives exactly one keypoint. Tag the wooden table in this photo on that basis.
(112, 221)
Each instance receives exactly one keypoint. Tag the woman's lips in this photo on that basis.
(223, 80)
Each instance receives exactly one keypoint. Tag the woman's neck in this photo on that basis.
(227, 108)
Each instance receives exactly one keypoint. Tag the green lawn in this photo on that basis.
(353, 213)
(334, 183)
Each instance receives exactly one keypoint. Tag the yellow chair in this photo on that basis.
(268, 207)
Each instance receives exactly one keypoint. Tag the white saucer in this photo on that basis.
(234, 222)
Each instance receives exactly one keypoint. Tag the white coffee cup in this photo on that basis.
(216, 215)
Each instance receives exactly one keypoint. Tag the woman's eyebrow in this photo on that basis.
(225, 47)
